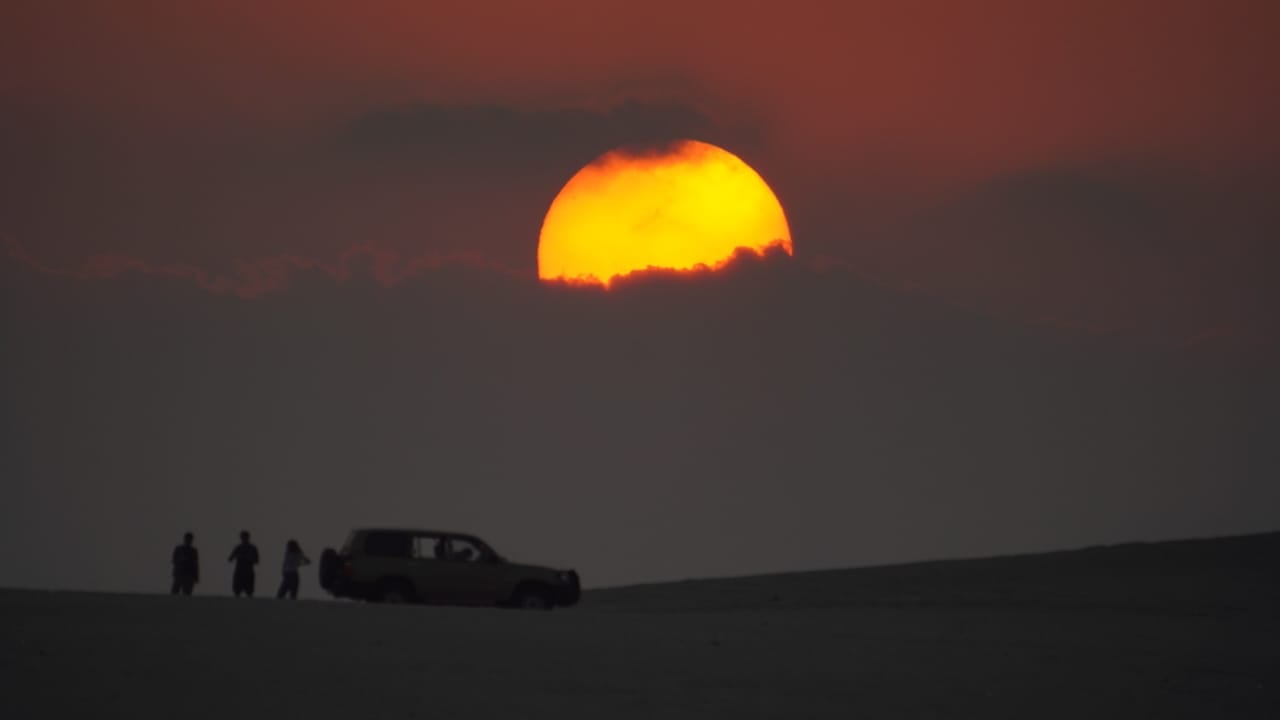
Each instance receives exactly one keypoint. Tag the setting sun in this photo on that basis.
(689, 205)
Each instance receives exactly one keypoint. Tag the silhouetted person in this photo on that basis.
(245, 556)
(294, 558)
(186, 566)
(445, 551)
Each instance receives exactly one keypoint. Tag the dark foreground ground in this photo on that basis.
(1187, 629)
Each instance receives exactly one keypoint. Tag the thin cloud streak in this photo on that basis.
(271, 275)
(262, 276)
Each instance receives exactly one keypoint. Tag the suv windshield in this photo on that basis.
(464, 550)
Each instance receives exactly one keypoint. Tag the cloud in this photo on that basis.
(1215, 327)
(765, 417)
(419, 179)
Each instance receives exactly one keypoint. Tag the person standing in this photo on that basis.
(186, 566)
(245, 556)
(294, 558)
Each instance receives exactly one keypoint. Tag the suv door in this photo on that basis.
(384, 556)
(472, 575)
(432, 575)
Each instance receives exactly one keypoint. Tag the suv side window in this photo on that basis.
(386, 544)
(428, 547)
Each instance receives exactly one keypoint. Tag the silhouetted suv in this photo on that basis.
(439, 568)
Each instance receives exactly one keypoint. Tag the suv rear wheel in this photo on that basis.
(395, 592)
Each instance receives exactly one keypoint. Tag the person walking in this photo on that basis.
(245, 556)
(186, 566)
(294, 558)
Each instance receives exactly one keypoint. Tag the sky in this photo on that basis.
(273, 264)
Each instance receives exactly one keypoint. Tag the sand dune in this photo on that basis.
(1184, 629)
(1197, 577)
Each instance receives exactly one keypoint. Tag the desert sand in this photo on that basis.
(1184, 629)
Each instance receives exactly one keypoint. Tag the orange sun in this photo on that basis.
(688, 206)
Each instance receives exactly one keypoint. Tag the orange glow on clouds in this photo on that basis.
(685, 207)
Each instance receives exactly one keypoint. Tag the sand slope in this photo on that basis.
(1188, 629)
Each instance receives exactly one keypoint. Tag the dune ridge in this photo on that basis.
(1238, 574)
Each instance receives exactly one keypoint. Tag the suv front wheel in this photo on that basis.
(532, 597)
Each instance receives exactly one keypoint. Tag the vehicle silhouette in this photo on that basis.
(439, 568)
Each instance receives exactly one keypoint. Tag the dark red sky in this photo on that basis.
(1098, 163)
